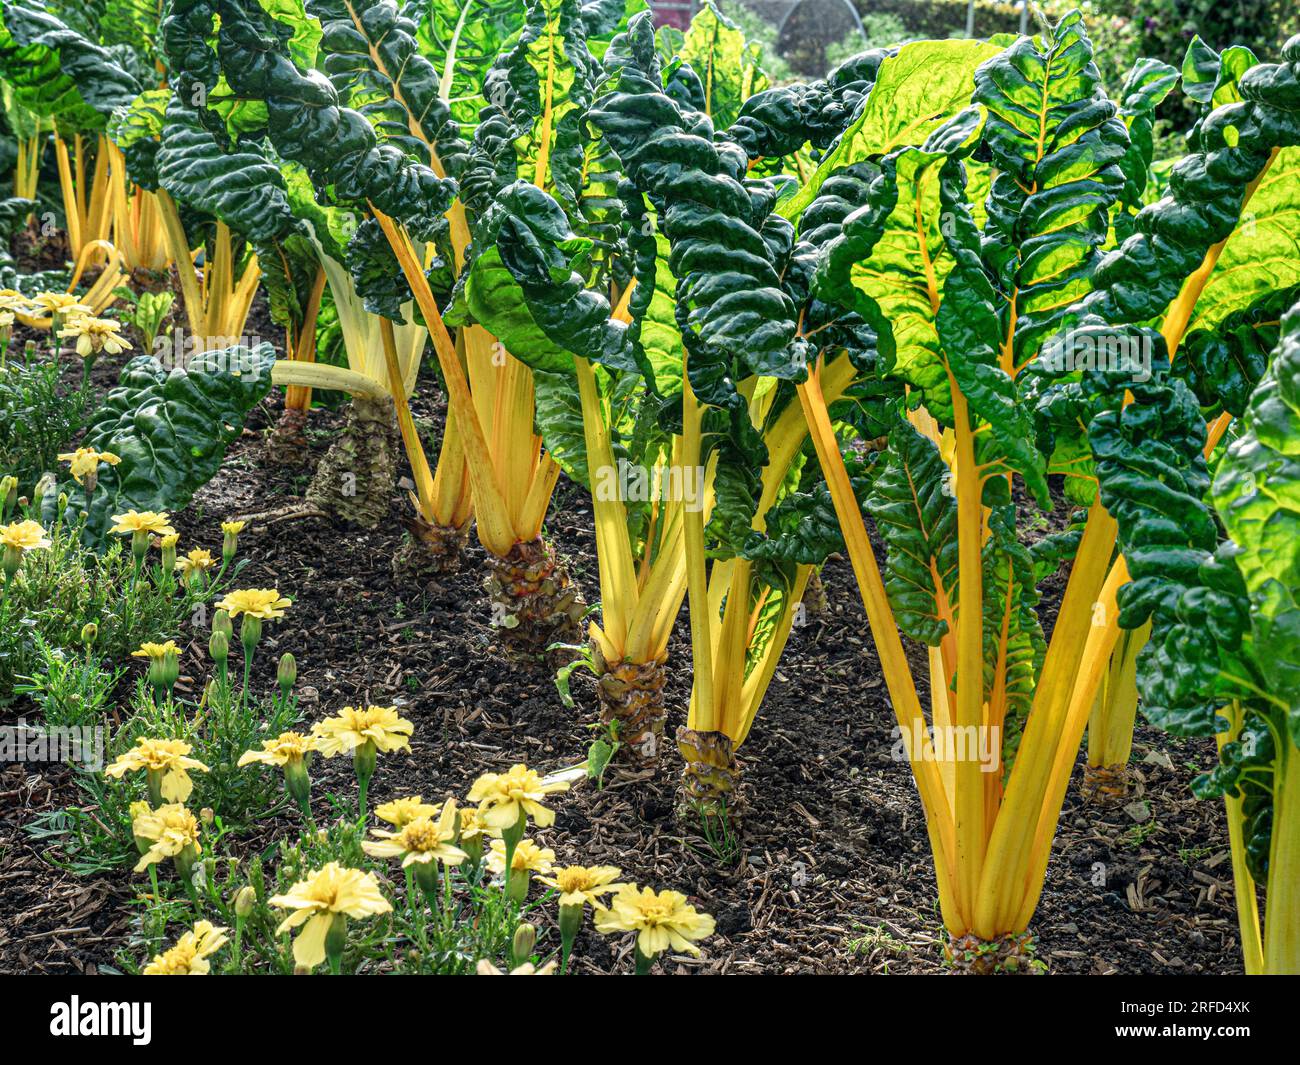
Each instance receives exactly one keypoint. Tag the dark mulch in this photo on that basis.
(834, 873)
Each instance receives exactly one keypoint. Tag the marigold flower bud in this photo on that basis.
(287, 673)
(521, 947)
(219, 646)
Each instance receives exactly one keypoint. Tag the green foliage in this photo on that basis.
(223, 723)
(59, 73)
(60, 589)
(39, 416)
(1056, 145)
(915, 511)
(147, 312)
(1163, 27)
(71, 687)
(170, 429)
(1257, 495)
(305, 120)
(474, 920)
(372, 57)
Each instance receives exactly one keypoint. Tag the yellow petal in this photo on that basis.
(177, 785)
(309, 947)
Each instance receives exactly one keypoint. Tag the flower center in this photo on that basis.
(573, 880)
(420, 837)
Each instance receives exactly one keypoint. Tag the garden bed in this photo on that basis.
(831, 872)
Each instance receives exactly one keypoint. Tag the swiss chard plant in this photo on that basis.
(170, 428)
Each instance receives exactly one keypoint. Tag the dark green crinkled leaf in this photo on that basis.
(171, 429)
(1223, 364)
(524, 287)
(1056, 146)
(1137, 281)
(242, 188)
(727, 252)
(370, 54)
(57, 72)
(779, 121)
(305, 121)
(915, 511)
(1257, 494)
(1145, 88)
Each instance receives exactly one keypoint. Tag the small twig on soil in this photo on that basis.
(290, 513)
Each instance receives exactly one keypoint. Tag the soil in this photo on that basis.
(831, 872)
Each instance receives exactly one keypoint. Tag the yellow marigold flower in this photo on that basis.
(94, 335)
(285, 748)
(528, 857)
(171, 828)
(85, 461)
(197, 561)
(581, 883)
(401, 812)
(6, 320)
(421, 841)
(189, 957)
(352, 726)
(23, 536)
(316, 902)
(233, 528)
(138, 809)
(12, 301)
(170, 540)
(486, 968)
(157, 651)
(59, 303)
(471, 827)
(166, 756)
(661, 920)
(263, 603)
(137, 521)
(503, 797)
